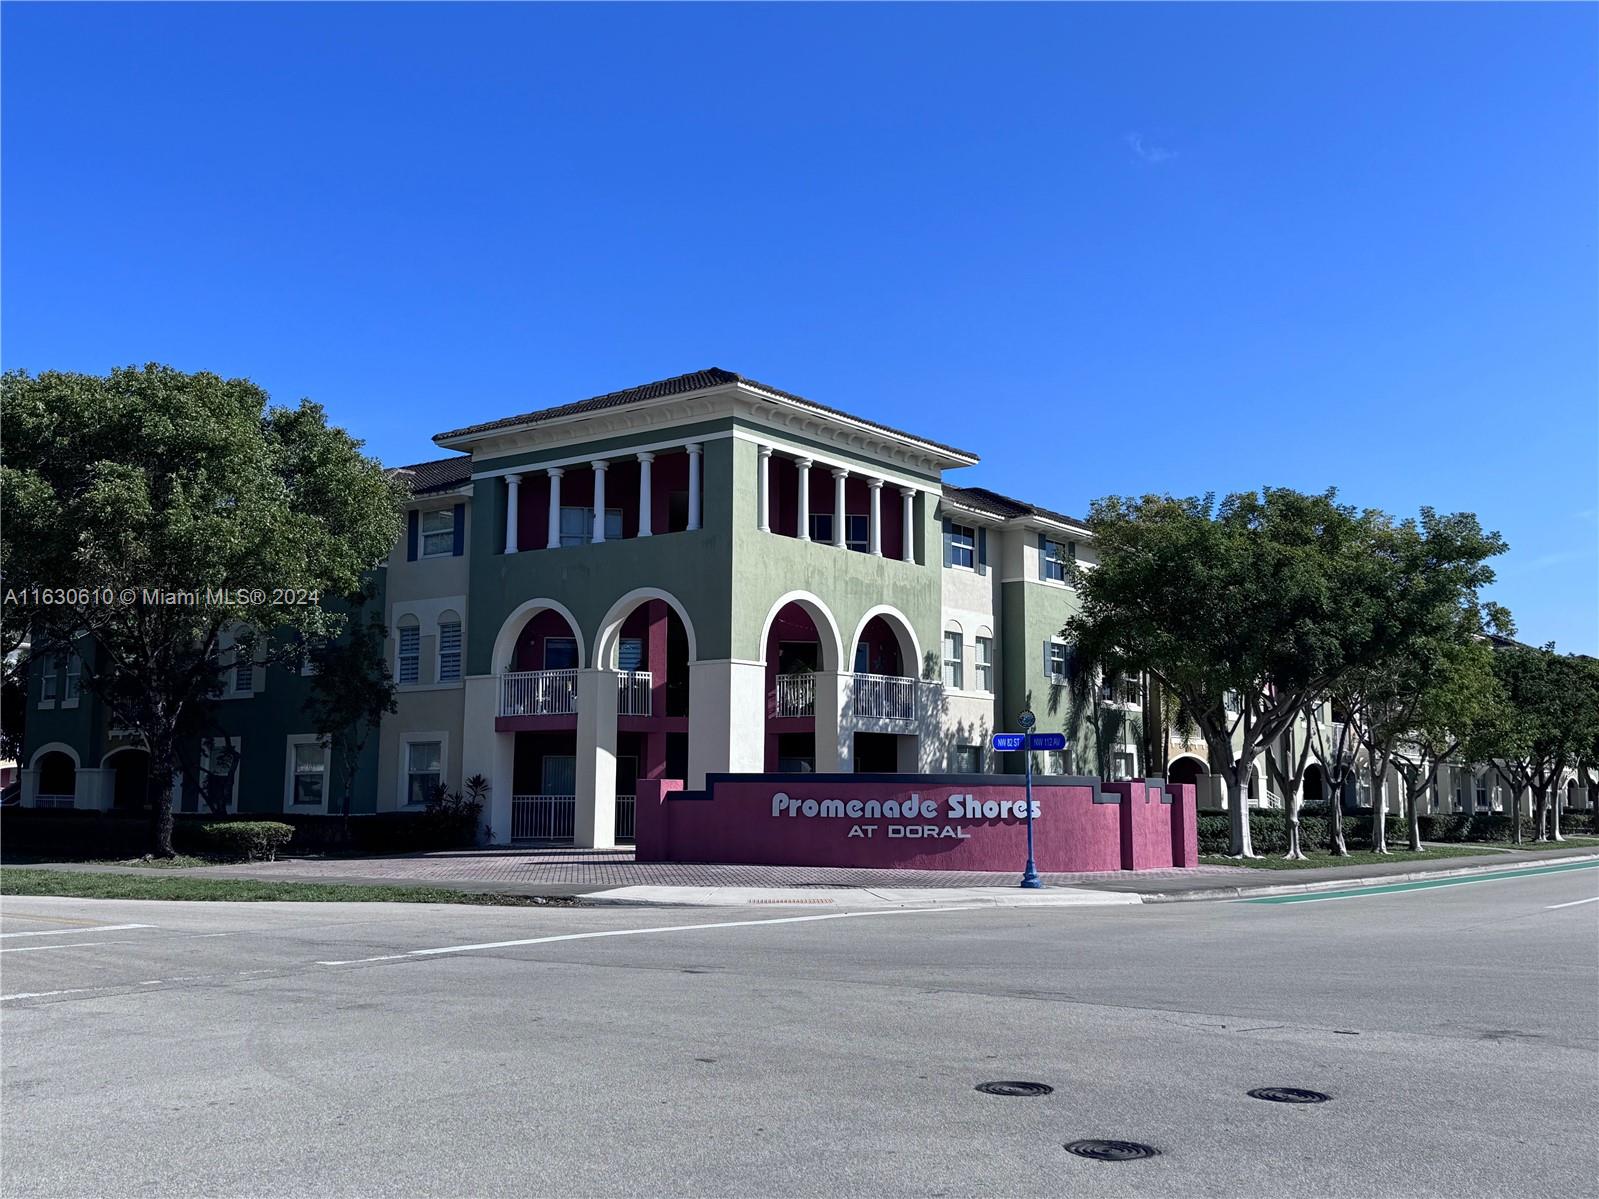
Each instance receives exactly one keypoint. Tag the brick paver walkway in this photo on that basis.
(616, 868)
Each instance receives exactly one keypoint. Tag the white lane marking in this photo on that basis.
(43, 948)
(1573, 903)
(639, 932)
(70, 932)
(47, 994)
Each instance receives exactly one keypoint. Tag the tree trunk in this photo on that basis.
(1379, 810)
(158, 791)
(1339, 847)
(1238, 812)
(1414, 817)
(1554, 817)
(1295, 798)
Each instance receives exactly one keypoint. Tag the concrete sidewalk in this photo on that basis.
(613, 877)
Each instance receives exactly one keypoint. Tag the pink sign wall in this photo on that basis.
(917, 822)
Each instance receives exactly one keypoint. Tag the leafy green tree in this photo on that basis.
(1552, 703)
(1269, 597)
(1337, 749)
(167, 509)
(351, 689)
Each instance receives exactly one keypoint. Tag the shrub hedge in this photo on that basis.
(1268, 828)
(247, 840)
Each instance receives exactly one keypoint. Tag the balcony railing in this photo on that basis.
(538, 693)
(625, 805)
(543, 817)
(883, 697)
(795, 695)
(633, 689)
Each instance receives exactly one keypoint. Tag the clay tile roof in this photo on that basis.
(679, 385)
(442, 474)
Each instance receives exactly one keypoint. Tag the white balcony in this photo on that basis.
(795, 695)
(538, 693)
(633, 689)
(883, 697)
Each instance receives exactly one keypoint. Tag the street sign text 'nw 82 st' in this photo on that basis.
(1011, 742)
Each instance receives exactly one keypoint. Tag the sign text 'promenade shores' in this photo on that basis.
(925, 822)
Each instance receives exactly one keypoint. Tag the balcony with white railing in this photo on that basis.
(633, 689)
(883, 697)
(795, 695)
(538, 693)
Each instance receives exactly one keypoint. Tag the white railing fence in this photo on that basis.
(543, 817)
(538, 693)
(633, 689)
(625, 805)
(796, 695)
(883, 696)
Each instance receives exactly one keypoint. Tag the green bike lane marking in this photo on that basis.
(1425, 884)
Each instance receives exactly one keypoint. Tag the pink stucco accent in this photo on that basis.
(1146, 840)
(1184, 824)
(652, 826)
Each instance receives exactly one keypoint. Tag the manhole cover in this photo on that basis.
(1024, 1090)
(1112, 1151)
(1288, 1095)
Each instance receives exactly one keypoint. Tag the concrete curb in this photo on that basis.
(1200, 894)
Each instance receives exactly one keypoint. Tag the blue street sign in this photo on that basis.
(1008, 742)
(1047, 741)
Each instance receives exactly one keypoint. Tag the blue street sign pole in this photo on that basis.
(1030, 878)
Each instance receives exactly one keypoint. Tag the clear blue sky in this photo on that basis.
(1109, 249)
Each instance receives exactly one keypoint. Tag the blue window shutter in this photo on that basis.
(460, 530)
(1043, 546)
(982, 551)
(949, 556)
(411, 520)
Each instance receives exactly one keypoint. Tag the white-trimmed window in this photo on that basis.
(1122, 689)
(1123, 765)
(424, 768)
(438, 533)
(306, 785)
(963, 546)
(954, 659)
(408, 652)
(577, 525)
(449, 648)
(983, 660)
(967, 759)
(1057, 661)
(49, 681)
(1056, 557)
(73, 686)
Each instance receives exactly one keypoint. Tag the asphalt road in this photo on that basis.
(247, 1049)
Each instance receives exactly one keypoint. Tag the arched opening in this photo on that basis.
(58, 780)
(537, 656)
(794, 654)
(1186, 769)
(882, 693)
(130, 773)
(1315, 785)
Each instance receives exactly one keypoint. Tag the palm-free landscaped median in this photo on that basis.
(22, 880)
(1356, 857)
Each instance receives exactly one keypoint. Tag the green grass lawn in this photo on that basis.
(27, 881)
(1355, 857)
(1568, 843)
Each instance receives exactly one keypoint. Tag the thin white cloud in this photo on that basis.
(1147, 152)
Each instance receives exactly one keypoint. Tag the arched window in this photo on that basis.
(954, 656)
(449, 647)
(983, 659)
(408, 651)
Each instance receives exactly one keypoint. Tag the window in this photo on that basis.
(822, 527)
(408, 662)
(630, 654)
(1056, 555)
(985, 663)
(1122, 689)
(962, 546)
(1123, 765)
(857, 530)
(243, 670)
(219, 772)
(309, 767)
(560, 653)
(74, 684)
(954, 661)
(449, 648)
(1057, 661)
(577, 525)
(967, 759)
(48, 682)
(424, 770)
(438, 533)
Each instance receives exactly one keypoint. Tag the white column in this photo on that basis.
(594, 825)
(907, 521)
(763, 489)
(513, 486)
(645, 498)
(875, 537)
(839, 475)
(599, 500)
(694, 485)
(804, 465)
(554, 540)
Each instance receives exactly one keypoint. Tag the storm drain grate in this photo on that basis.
(1020, 1090)
(1288, 1095)
(1112, 1151)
